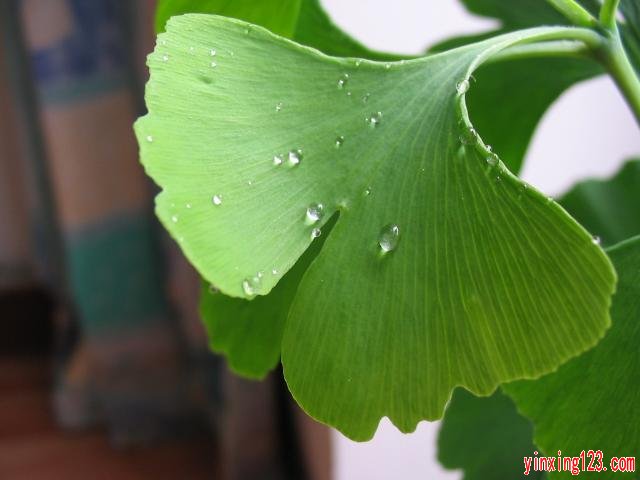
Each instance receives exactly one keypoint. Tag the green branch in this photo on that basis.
(617, 63)
(608, 14)
(574, 12)
(561, 48)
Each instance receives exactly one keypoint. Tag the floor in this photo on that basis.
(32, 448)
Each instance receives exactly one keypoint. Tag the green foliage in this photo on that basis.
(481, 287)
(609, 206)
(592, 401)
(486, 437)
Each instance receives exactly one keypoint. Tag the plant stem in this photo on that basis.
(608, 14)
(562, 48)
(574, 12)
(617, 63)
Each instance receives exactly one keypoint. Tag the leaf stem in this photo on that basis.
(608, 14)
(614, 58)
(561, 48)
(574, 12)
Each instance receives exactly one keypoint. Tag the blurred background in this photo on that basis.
(104, 366)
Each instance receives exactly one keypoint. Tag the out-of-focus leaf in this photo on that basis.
(485, 437)
(609, 209)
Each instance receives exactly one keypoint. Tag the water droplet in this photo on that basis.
(295, 157)
(165, 57)
(278, 106)
(174, 218)
(596, 240)
(488, 148)
(314, 212)
(374, 119)
(212, 289)
(249, 182)
(348, 94)
(492, 160)
(217, 199)
(274, 271)
(188, 205)
(367, 191)
(315, 233)
(259, 274)
(365, 97)
(277, 160)
(149, 138)
(462, 86)
(387, 66)
(214, 64)
(339, 141)
(389, 237)
(343, 80)
(469, 137)
(191, 49)
(213, 52)
(251, 285)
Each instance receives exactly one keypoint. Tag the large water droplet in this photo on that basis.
(295, 157)
(216, 199)
(277, 160)
(339, 141)
(374, 119)
(251, 285)
(315, 233)
(462, 86)
(343, 80)
(389, 237)
(314, 212)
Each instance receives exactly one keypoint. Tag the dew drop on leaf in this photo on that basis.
(212, 52)
(295, 157)
(251, 285)
(462, 86)
(214, 64)
(315, 233)
(374, 119)
(339, 141)
(174, 218)
(165, 57)
(217, 199)
(367, 191)
(149, 138)
(277, 160)
(278, 106)
(314, 212)
(389, 237)
(343, 80)
(492, 160)
(365, 97)
(596, 240)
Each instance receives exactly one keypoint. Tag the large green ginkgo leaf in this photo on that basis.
(443, 269)
(592, 401)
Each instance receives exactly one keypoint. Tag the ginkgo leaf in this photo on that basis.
(486, 437)
(443, 269)
(610, 208)
(600, 386)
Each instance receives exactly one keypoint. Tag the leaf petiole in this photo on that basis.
(608, 14)
(574, 12)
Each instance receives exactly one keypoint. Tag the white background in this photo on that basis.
(589, 132)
